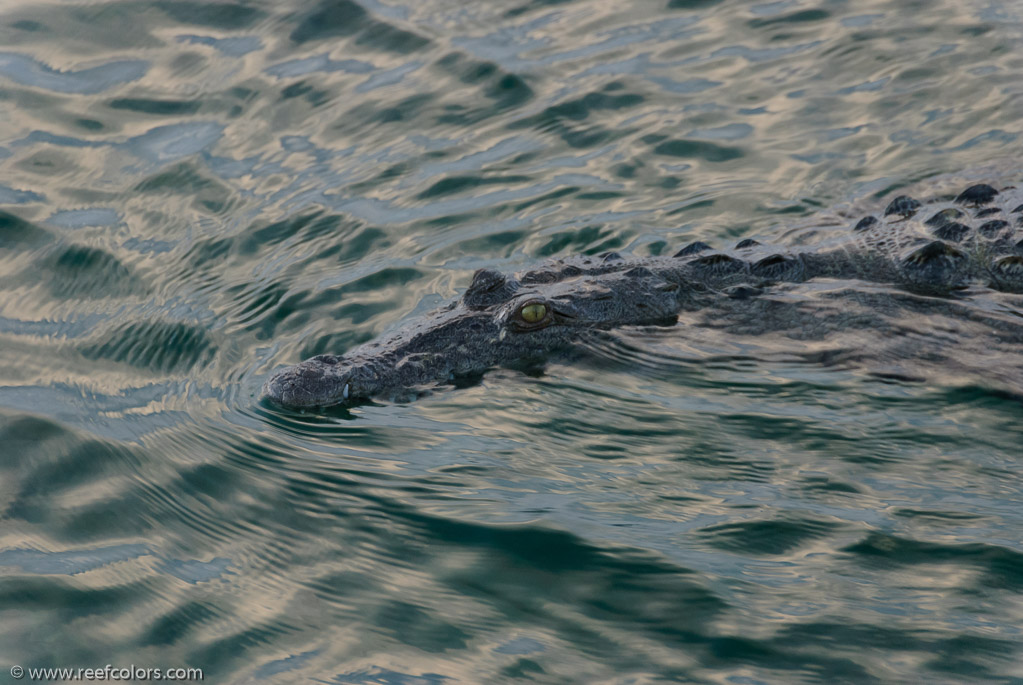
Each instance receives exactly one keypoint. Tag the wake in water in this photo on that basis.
(975, 338)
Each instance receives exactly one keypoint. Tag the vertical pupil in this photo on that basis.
(532, 313)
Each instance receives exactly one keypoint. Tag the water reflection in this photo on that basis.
(195, 193)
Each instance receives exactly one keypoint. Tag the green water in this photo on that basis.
(195, 193)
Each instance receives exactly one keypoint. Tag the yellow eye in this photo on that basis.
(533, 313)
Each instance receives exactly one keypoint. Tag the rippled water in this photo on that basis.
(195, 193)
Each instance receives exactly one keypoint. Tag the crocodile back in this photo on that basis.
(941, 244)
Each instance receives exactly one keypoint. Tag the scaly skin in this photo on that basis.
(932, 248)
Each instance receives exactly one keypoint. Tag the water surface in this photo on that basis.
(194, 193)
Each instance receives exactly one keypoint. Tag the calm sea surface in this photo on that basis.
(193, 193)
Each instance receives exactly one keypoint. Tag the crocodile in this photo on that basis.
(934, 249)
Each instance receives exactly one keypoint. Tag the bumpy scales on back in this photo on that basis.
(932, 248)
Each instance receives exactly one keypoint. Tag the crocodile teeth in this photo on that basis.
(345, 391)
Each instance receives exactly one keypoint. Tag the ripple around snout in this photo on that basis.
(311, 383)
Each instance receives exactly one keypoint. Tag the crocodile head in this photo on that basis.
(500, 320)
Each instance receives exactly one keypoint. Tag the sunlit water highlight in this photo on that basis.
(195, 193)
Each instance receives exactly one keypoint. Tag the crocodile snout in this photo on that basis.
(313, 383)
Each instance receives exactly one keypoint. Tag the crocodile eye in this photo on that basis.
(533, 313)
